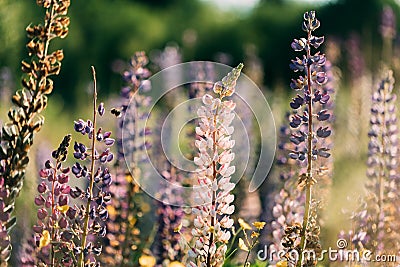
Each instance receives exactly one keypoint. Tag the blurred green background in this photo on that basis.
(103, 31)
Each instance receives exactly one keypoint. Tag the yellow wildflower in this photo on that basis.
(282, 264)
(255, 234)
(259, 225)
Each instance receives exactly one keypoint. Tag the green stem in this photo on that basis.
(253, 244)
(91, 182)
(228, 251)
(305, 223)
(231, 254)
(381, 178)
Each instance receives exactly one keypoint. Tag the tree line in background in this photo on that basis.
(104, 31)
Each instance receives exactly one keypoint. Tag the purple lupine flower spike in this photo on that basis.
(126, 196)
(376, 228)
(309, 130)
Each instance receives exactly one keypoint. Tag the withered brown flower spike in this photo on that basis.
(24, 119)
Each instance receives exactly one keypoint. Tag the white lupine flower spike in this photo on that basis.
(214, 170)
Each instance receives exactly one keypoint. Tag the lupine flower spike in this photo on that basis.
(91, 216)
(127, 209)
(213, 198)
(308, 138)
(51, 233)
(376, 227)
(17, 135)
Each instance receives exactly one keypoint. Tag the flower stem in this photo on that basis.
(382, 164)
(229, 251)
(309, 158)
(247, 258)
(91, 182)
(53, 210)
(231, 254)
(213, 201)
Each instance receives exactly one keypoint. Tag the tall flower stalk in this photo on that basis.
(305, 112)
(24, 119)
(124, 237)
(93, 215)
(214, 199)
(376, 225)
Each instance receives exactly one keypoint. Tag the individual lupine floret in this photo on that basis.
(213, 194)
(306, 114)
